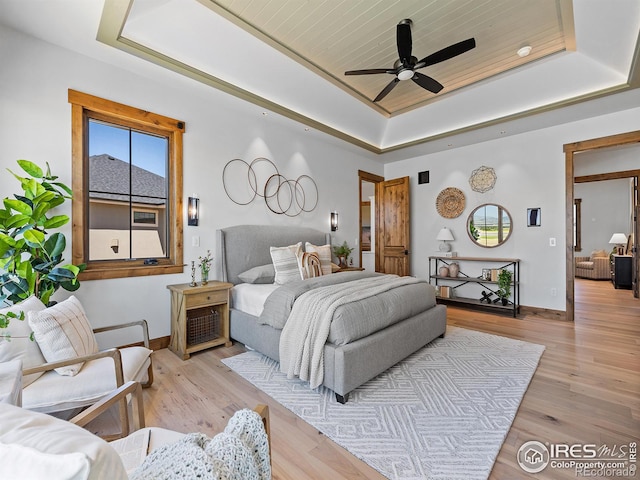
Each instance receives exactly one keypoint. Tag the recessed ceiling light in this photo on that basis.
(524, 51)
(265, 114)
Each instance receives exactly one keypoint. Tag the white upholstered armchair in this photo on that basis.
(34, 445)
(63, 370)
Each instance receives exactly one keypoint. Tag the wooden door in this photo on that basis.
(392, 234)
(635, 263)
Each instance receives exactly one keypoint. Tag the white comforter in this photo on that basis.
(307, 328)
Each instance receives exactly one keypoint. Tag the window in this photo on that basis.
(577, 224)
(127, 184)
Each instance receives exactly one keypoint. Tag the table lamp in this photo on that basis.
(445, 235)
(619, 239)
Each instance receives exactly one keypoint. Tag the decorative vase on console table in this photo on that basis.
(444, 271)
(454, 269)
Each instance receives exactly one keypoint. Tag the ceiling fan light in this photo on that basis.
(524, 51)
(405, 75)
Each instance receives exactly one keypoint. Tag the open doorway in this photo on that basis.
(572, 152)
(368, 217)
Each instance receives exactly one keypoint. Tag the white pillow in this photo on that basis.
(19, 347)
(48, 439)
(285, 263)
(63, 332)
(324, 253)
(27, 462)
(261, 274)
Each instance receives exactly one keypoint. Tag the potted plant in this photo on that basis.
(342, 252)
(504, 285)
(30, 255)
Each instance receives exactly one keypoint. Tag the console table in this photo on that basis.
(471, 273)
(621, 266)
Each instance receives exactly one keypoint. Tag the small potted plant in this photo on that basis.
(205, 266)
(342, 252)
(504, 285)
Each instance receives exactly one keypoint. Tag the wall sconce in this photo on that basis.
(114, 244)
(445, 235)
(334, 221)
(193, 211)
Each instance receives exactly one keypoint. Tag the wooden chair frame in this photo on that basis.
(114, 354)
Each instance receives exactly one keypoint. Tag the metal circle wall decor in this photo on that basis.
(450, 202)
(282, 196)
(483, 179)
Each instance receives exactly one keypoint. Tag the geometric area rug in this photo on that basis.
(441, 413)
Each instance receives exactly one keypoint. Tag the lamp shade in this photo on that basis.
(446, 235)
(618, 239)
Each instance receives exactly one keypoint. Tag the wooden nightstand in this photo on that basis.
(199, 317)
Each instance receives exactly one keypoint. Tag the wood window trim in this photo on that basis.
(81, 104)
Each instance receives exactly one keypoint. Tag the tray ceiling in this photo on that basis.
(333, 36)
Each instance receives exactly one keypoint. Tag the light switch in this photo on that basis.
(552, 242)
(195, 241)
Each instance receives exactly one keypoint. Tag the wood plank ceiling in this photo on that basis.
(333, 36)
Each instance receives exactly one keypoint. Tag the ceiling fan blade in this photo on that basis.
(427, 82)
(447, 53)
(386, 90)
(403, 39)
(370, 71)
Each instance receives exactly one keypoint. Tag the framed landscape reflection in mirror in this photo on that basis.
(489, 225)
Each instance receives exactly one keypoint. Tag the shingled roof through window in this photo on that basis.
(109, 180)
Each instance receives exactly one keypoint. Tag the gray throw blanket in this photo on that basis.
(307, 328)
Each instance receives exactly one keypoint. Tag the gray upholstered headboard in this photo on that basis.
(243, 247)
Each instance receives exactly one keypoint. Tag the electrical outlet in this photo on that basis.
(195, 241)
(554, 292)
(552, 242)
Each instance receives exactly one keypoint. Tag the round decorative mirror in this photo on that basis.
(489, 225)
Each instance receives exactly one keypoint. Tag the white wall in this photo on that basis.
(35, 124)
(605, 210)
(531, 169)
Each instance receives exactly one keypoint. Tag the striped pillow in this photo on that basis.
(285, 263)
(63, 331)
(309, 264)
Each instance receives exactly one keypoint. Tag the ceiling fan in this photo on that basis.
(405, 67)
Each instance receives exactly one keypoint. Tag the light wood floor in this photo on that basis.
(585, 390)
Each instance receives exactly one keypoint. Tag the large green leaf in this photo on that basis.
(34, 238)
(61, 275)
(18, 221)
(55, 244)
(56, 221)
(31, 168)
(63, 187)
(18, 206)
(46, 196)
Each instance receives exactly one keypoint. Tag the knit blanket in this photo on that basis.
(307, 328)
(241, 452)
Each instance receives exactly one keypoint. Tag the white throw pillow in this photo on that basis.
(285, 263)
(259, 275)
(63, 332)
(48, 442)
(324, 253)
(19, 347)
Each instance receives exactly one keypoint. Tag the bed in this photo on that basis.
(347, 363)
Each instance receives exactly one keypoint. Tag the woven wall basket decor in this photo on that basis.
(450, 202)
